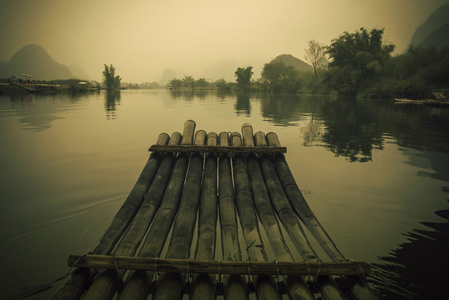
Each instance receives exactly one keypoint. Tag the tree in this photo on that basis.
(316, 56)
(188, 81)
(201, 82)
(223, 85)
(281, 77)
(356, 60)
(175, 83)
(244, 77)
(111, 81)
(276, 71)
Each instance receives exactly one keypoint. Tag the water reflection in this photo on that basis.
(312, 133)
(112, 100)
(343, 126)
(418, 268)
(242, 105)
(189, 95)
(37, 113)
(285, 110)
(352, 129)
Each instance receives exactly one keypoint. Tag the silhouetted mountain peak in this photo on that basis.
(29, 52)
(34, 59)
(168, 75)
(434, 22)
(296, 63)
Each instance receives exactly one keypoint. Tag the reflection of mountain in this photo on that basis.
(111, 101)
(38, 114)
(418, 268)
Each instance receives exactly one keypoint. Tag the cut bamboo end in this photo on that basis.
(175, 139)
(200, 138)
(213, 148)
(212, 139)
(236, 139)
(220, 267)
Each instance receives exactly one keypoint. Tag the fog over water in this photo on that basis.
(143, 38)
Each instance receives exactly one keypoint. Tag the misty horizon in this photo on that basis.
(142, 39)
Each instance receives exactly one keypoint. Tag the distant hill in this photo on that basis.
(296, 63)
(79, 72)
(34, 60)
(438, 38)
(168, 75)
(431, 32)
(224, 69)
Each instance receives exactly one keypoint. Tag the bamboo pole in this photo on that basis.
(297, 288)
(219, 266)
(359, 289)
(138, 283)
(288, 218)
(203, 285)
(235, 287)
(299, 204)
(171, 284)
(81, 279)
(107, 282)
(265, 288)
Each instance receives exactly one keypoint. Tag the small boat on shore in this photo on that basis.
(23, 86)
(407, 101)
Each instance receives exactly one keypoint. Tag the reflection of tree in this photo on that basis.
(243, 105)
(417, 269)
(352, 129)
(312, 132)
(111, 101)
(281, 109)
(185, 95)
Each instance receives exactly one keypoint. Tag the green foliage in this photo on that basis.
(188, 81)
(429, 66)
(175, 83)
(356, 60)
(244, 77)
(111, 81)
(201, 82)
(223, 85)
(281, 78)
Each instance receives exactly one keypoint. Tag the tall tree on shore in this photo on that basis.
(356, 60)
(316, 56)
(244, 77)
(111, 81)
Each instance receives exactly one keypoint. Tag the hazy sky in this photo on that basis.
(141, 38)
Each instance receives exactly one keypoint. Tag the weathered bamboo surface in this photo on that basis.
(199, 190)
(220, 266)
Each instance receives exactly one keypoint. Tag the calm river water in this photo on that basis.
(375, 174)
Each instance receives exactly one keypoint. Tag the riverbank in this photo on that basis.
(18, 88)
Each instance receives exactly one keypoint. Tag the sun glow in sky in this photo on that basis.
(142, 38)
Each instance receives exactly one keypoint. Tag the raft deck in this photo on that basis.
(216, 216)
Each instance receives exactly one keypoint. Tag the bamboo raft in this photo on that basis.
(201, 190)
